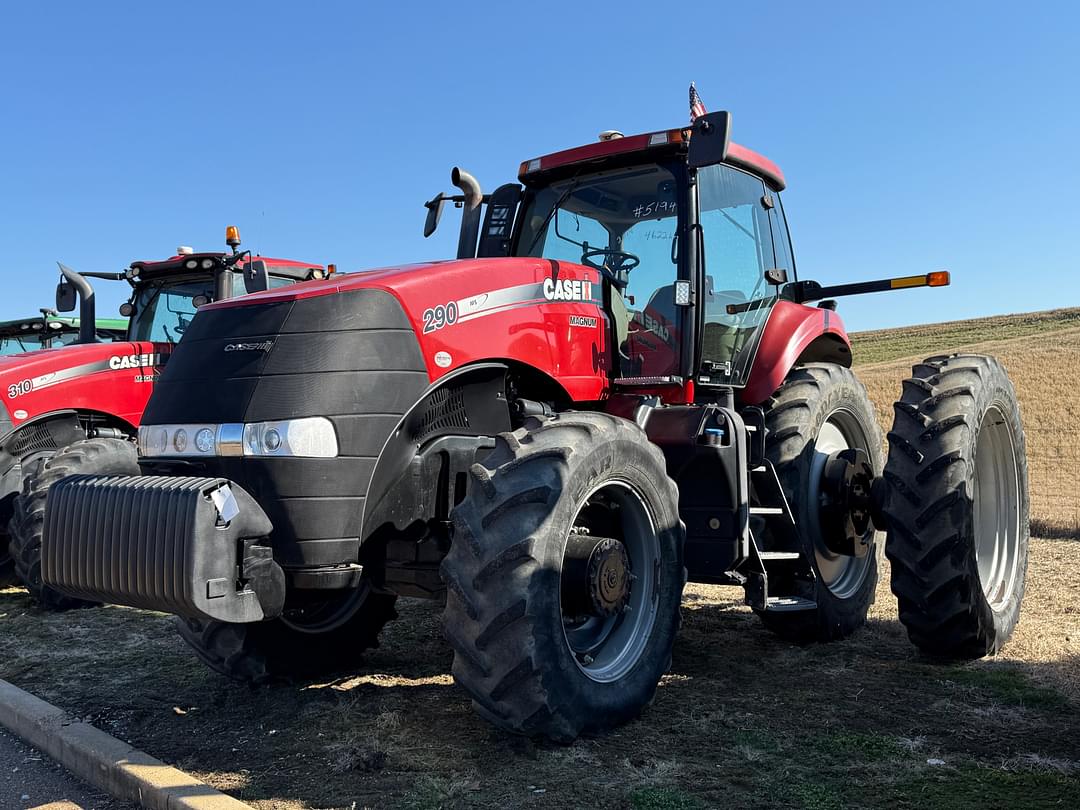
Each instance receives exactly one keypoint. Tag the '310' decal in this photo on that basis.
(440, 316)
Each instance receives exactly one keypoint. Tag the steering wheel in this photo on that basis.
(616, 269)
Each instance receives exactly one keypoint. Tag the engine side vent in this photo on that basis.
(32, 439)
(445, 411)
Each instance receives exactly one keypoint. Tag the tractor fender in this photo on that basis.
(43, 432)
(51, 431)
(793, 334)
(468, 402)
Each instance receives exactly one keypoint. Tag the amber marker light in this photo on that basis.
(232, 236)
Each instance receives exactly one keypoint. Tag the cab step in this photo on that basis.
(789, 604)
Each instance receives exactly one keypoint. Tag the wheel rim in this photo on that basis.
(996, 508)
(841, 574)
(324, 615)
(605, 648)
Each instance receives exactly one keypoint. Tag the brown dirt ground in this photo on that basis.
(743, 720)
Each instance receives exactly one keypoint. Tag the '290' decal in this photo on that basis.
(440, 316)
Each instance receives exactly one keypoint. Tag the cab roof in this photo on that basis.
(671, 141)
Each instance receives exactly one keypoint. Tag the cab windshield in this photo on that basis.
(163, 310)
(31, 337)
(624, 223)
(17, 344)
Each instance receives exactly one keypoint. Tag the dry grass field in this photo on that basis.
(742, 720)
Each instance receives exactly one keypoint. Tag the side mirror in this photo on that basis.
(434, 208)
(709, 139)
(256, 276)
(65, 297)
(776, 276)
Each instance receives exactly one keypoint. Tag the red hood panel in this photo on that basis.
(114, 379)
(537, 312)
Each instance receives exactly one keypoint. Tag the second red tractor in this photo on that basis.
(76, 408)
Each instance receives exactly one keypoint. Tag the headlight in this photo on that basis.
(308, 437)
(204, 440)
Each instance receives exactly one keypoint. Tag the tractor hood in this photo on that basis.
(112, 378)
(539, 312)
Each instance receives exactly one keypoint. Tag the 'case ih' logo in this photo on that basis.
(567, 290)
(119, 361)
(264, 346)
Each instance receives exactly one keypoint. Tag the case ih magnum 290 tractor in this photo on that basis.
(76, 409)
(618, 385)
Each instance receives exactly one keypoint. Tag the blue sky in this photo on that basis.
(914, 136)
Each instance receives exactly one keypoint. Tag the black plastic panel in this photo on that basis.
(352, 357)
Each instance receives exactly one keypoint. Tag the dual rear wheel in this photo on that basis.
(954, 501)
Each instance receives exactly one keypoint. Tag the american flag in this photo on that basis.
(697, 108)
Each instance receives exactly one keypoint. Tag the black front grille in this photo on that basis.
(352, 357)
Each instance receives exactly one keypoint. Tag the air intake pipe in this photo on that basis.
(470, 215)
(87, 305)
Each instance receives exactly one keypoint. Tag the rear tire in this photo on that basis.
(819, 408)
(329, 636)
(527, 667)
(86, 457)
(958, 506)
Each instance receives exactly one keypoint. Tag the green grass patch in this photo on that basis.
(758, 741)
(974, 788)
(816, 796)
(857, 746)
(651, 798)
(1008, 686)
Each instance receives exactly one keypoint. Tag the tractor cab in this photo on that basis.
(166, 294)
(49, 331)
(688, 235)
(687, 242)
(627, 207)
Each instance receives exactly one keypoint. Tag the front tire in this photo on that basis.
(958, 506)
(822, 408)
(86, 457)
(324, 636)
(550, 640)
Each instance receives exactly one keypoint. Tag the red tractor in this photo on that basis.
(619, 384)
(77, 409)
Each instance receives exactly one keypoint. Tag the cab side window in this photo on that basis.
(784, 257)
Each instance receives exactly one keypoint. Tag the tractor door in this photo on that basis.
(736, 214)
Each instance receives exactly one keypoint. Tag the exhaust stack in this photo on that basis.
(470, 215)
(87, 305)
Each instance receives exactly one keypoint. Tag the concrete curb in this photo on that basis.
(104, 761)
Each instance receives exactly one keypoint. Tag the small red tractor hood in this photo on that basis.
(79, 377)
